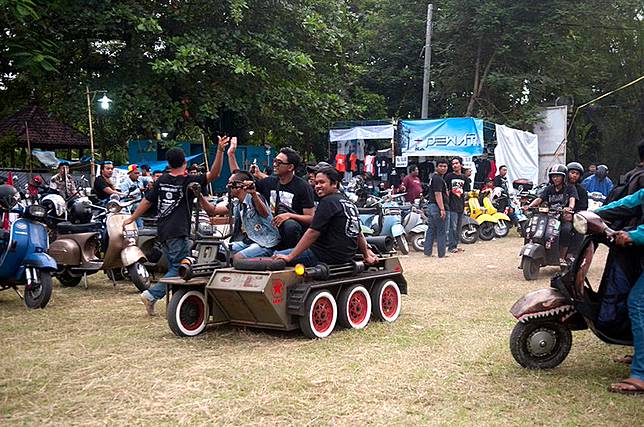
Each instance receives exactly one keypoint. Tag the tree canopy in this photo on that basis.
(287, 69)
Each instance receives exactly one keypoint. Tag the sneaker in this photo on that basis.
(149, 305)
(454, 251)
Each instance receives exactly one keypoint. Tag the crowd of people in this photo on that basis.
(287, 217)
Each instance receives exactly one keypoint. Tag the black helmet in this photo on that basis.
(558, 169)
(602, 171)
(9, 196)
(81, 212)
(574, 166)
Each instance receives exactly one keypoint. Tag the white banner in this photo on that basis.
(552, 139)
(402, 161)
(362, 132)
(519, 151)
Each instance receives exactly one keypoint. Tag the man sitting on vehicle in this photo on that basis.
(559, 195)
(62, 182)
(290, 197)
(626, 208)
(334, 236)
(599, 182)
(254, 234)
(103, 185)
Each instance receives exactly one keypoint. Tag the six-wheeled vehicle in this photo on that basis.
(265, 293)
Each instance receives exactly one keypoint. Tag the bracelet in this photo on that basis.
(220, 149)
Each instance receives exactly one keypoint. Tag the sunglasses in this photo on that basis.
(278, 162)
(235, 184)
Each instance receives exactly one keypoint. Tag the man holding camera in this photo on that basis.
(254, 234)
(170, 194)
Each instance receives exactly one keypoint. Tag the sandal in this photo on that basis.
(626, 359)
(628, 386)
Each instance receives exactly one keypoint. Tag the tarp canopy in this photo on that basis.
(362, 132)
(441, 138)
(49, 159)
(519, 151)
(161, 165)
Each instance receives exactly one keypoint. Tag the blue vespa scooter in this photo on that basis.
(382, 217)
(23, 251)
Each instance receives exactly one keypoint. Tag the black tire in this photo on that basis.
(486, 231)
(38, 296)
(530, 268)
(540, 344)
(402, 244)
(354, 307)
(502, 228)
(67, 280)
(139, 275)
(418, 242)
(320, 314)
(469, 233)
(187, 312)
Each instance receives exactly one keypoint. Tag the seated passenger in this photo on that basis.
(290, 197)
(334, 236)
(254, 234)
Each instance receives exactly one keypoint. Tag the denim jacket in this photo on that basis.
(257, 228)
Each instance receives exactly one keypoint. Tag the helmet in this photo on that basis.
(602, 171)
(81, 212)
(557, 169)
(574, 166)
(9, 196)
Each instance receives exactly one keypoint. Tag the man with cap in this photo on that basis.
(62, 182)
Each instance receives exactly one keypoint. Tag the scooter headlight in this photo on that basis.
(36, 211)
(580, 223)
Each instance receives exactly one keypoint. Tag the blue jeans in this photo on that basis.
(175, 250)
(436, 230)
(454, 221)
(250, 251)
(636, 313)
(307, 257)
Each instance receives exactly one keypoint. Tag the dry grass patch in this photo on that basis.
(93, 358)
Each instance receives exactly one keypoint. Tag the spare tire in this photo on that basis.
(259, 264)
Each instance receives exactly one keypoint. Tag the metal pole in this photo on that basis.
(31, 171)
(92, 173)
(205, 156)
(428, 60)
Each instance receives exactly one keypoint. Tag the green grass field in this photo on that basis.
(93, 357)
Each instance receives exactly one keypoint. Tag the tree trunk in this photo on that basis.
(479, 80)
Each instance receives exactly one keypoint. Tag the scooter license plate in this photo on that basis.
(129, 234)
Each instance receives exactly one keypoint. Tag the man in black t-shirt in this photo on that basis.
(438, 197)
(290, 197)
(458, 186)
(103, 185)
(334, 235)
(170, 194)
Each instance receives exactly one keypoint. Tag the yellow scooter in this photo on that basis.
(502, 226)
(486, 221)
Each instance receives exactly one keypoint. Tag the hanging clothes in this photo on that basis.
(483, 169)
(370, 165)
(353, 162)
(341, 162)
(492, 173)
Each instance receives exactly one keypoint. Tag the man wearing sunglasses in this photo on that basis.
(254, 234)
(290, 197)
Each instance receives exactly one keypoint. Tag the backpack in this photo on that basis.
(627, 185)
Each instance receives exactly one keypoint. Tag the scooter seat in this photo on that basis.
(368, 211)
(148, 231)
(69, 228)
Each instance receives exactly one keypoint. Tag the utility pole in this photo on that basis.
(428, 61)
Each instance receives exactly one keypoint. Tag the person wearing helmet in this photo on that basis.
(575, 172)
(9, 197)
(559, 195)
(599, 182)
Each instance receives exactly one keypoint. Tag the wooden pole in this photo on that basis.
(207, 163)
(29, 150)
(92, 172)
(427, 65)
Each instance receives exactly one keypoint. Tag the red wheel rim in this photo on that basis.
(357, 308)
(192, 313)
(322, 315)
(389, 301)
